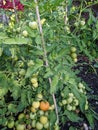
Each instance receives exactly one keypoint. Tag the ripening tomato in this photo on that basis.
(44, 105)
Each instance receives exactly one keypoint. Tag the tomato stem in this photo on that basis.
(45, 55)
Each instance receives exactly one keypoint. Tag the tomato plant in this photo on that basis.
(39, 48)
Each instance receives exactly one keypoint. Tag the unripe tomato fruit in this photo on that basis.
(33, 123)
(43, 120)
(32, 115)
(76, 102)
(46, 126)
(64, 102)
(33, 109)
(33, 25)
(21, 116)
(41, 112)
(43, 21)
(69, 107)
(75, 60)
(73, 49)
(35, 85)
(34, 80)
(80, 85)
(25, 33)
(69, 100)
(10, 124)
(39, 126)
(39, 96)
(71, 95)
(20, 127)
(73, 55)
(36, 104)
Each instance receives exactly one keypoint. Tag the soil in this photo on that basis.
(89, 74)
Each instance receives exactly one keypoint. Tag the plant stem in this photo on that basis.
(45, 55)
(15, 11)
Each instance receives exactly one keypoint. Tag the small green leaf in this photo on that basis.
(54, 84)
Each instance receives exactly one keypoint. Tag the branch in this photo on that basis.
(15, 10)
(45, 55)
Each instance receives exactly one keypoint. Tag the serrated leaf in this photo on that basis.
(90, 118)
(72, 116)
(16, 41)
(54, 83)
(38, 39)
(33, 69)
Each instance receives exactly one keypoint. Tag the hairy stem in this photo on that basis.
(45, 55)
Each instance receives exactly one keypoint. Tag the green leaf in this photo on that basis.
(72, 116)
(72, 128)
(3, 36)
(16, 41)
(33, 69)
(90, 118)
(54, 84)
(38, 39)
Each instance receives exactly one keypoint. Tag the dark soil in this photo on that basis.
(89, 74)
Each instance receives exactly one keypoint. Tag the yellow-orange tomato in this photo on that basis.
(44, 105)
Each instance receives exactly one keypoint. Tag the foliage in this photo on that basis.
(24, 76)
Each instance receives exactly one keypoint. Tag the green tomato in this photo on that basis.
(73, 55)
(46, 126)
(41, 112)
(76, 102)
(64, 102)
(39, 126)
(86, 107)
(25, 33)
(76, 24)
(75, 60)
(20, 127)
(30, 63)
(33, 123)
(69, 107)
(73, 49)
(69, 100)
(33, 25)
(82, 23)
(21, 116)
(71, 95)
(10, 124)
(81, 90)
(32, 115)
(80, 85)
(43, 119)
(22, 72)
(73, 108)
